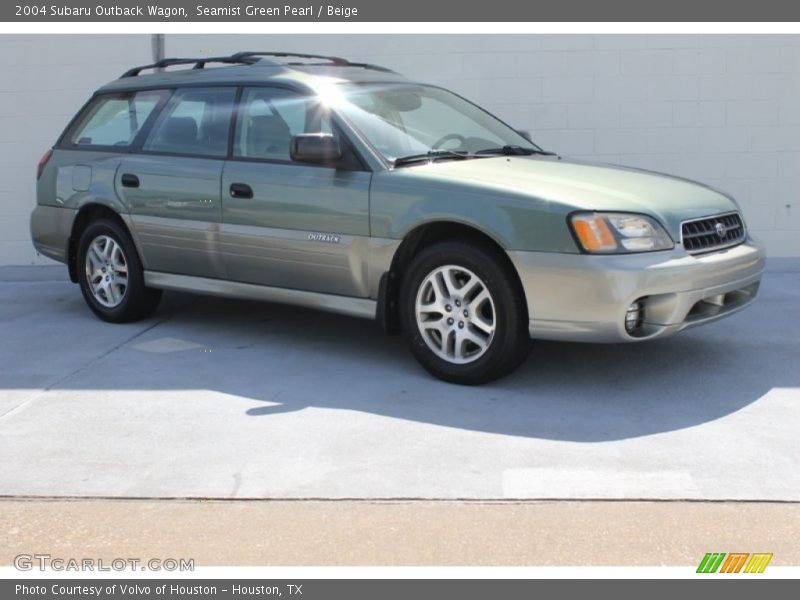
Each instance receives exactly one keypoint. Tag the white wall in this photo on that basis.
(44, 80)
(721, 109)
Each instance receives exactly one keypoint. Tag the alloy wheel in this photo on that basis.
(106, 271)
(455, 314)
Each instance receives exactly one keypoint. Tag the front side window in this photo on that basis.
(195, 121)
(114, 120)
(402, 119)
(269, 117)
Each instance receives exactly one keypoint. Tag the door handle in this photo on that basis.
(241, 190)
(130, 180)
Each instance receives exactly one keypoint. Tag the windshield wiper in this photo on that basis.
(515, 151)
(430, 156)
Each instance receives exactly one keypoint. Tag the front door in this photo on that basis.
(287, 224)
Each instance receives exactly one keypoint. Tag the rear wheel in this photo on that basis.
(110, 274)
(463, 313)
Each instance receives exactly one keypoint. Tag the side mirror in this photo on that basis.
(526, 134)
(315, 148)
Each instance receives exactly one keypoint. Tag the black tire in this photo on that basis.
(137, 301)
(510, 343)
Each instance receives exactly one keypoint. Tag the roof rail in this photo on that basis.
(199, 63)
(249, 58)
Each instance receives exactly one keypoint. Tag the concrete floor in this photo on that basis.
(228, 399)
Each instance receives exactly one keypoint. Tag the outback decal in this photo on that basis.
(328, 238)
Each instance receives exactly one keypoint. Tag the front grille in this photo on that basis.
(712, 233)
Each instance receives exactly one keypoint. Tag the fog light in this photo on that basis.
(718, 300)
(634, 317)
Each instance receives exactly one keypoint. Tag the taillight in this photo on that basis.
(43, 162)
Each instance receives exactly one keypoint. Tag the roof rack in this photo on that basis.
(333, 60)
(251, 58)
(199, 63)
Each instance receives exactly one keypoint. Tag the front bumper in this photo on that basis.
(580, 297)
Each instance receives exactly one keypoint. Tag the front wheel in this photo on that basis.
(110, 274)
(464, 313)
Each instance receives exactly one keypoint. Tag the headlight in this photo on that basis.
(612, 233)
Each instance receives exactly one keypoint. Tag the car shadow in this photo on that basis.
(564, 391)
(289, 359)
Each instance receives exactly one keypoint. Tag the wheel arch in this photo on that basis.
(87, 214)
(415, 241)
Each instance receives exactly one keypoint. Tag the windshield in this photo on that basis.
(402, 120)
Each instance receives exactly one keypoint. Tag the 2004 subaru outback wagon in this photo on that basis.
(346, 187)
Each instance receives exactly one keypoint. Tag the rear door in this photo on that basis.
(288, 224)
(172, 186)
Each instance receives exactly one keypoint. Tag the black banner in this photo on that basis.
(395, 11)
(383, 589)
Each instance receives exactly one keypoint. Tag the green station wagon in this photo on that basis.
(346, 187)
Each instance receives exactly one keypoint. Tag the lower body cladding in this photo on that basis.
(354, 307)
(634, 297)
(570, 297)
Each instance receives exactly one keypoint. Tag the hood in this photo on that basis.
(574, 185)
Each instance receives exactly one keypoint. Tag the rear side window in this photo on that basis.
(195, 121)
(115, 120)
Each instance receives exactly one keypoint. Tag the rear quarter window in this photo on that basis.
(115, 120)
